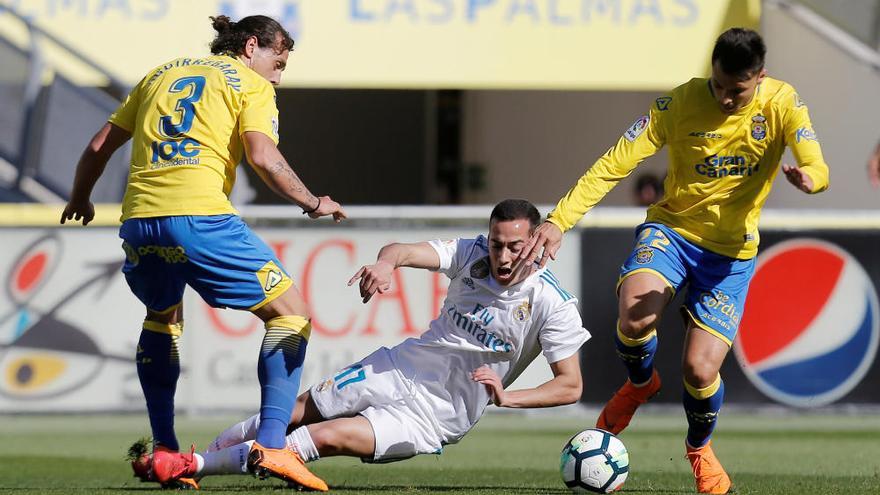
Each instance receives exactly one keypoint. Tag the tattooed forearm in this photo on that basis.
(290, 183)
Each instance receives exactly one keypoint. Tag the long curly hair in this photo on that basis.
(232, 36)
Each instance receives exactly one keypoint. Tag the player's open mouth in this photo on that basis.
(504, 272)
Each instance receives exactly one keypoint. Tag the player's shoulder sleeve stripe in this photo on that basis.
(552, 282)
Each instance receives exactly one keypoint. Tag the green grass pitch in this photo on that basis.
(506, 453)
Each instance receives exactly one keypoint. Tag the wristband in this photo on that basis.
(313, 209)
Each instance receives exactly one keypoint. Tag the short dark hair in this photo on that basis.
(740, 52)
(514, 209)
(232, 36)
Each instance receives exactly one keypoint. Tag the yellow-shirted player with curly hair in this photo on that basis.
(191, 120)
(725, 136)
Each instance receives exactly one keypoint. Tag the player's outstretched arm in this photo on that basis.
(377, 277)
(271, 166)
(89, 169)
(564, 388)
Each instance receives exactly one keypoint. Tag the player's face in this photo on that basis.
(506, 239)
(269, 63)
(733, 92)
(265, 61)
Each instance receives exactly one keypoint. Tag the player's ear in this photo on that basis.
(250, 46)
(762, 74)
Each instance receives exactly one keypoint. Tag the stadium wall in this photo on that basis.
(68, 324)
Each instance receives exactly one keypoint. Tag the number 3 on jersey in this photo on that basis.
(186, 147)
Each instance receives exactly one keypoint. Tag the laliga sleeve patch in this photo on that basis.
(637, 128)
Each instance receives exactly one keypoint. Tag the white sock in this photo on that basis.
(236, 434)
(300, 441)
(231, 460)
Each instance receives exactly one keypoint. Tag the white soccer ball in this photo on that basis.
(594, 461)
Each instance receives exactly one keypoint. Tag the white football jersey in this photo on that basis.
(482, 322)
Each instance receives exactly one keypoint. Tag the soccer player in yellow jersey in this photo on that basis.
(191, 120)
(725, 136)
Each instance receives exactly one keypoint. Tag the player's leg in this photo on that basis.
(158, 369)
(152, 271)
(152, 275)
(649, 278)
(304, 413)
(712, 310)
(702, 398)
(231, 267)
(279, 367)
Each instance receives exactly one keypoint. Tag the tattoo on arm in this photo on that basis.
(286, 177)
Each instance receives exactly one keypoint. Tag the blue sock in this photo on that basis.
(701, 406)
(637, 355)
(279, 369)
(158, 368)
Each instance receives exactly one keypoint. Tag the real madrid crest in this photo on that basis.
(759, 127)
(325, 385)
(644, 255)
(522, 311)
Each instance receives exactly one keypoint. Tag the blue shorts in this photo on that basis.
(218, 256)
(717, 285)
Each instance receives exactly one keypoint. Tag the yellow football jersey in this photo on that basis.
(186, 118)
(721, 167)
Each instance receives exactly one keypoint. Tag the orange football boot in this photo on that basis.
(284, 464)
(708, 473)
(618, 412)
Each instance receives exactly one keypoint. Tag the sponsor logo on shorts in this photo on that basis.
(721, 303)
(130, 253)
(169, 254)
(644, 255)
(637, 128)
(271, 278)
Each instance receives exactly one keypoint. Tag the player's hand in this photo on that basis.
(374, 278)
(547, 237)
(874, 169)
(798, 178)
(492, 381)
(78, 210)
(329, 207)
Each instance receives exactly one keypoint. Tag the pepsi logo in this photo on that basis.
(809, 332)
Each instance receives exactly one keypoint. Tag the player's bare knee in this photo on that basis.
(291, 303)
(327, 439)
(636, 328)
(699, 374)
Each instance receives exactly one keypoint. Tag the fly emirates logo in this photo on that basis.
(475, 323)
(718, 166)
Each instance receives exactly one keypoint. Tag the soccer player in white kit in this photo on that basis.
(427, 392)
